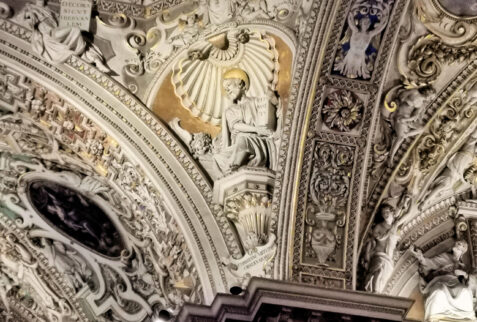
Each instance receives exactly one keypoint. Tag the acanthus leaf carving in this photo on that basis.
(251, 214)
(428, 55)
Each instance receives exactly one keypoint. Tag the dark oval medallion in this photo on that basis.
(76, 216)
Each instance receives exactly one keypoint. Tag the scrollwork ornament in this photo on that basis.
(454, 28)
(136, 40)
(119, 20)
(5, 11)
(326, 211)
(428, 55)
(135, 67)
(450, 121)
(153, 61)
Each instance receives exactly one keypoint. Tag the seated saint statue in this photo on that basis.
(56, 44)
(248, 127)
(445, 284)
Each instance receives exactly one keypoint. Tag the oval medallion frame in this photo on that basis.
(71, 182)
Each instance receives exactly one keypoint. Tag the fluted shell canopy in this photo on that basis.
(198, 75)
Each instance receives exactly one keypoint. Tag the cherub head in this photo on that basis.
(387, 212)
(243, 36)
(459, 249)
(365, 23)
(191, 19)
(418, 96)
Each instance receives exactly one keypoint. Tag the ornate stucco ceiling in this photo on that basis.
(178, 148)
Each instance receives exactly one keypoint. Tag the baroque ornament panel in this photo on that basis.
(340, 154)
(422, 195)
(76, 211)
(341, 117)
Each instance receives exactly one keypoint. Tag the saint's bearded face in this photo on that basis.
(234, 88)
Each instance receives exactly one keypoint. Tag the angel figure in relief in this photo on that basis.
(379, 250)
(186, 32)
(365, 22)
(406, 121)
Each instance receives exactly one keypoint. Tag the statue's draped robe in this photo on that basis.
(381, 263)
(261, 150)
(54, 43)
(446, 295)
(220, 11)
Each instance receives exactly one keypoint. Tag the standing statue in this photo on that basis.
(248, 127)
(445, 284)
(378, 257)
(216, 11)
(251, 9)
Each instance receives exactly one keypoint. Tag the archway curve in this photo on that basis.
(147, 142)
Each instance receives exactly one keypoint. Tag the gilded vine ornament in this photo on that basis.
(428, 55)
(451, 121)
(326, 211)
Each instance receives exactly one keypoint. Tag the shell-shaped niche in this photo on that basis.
(197, 77)
(76, 216)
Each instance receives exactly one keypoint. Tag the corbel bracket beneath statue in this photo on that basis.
(245, 179)
(246, 197)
